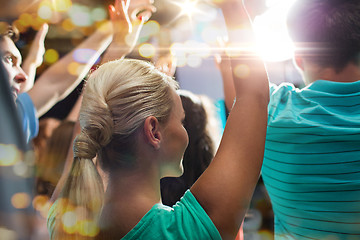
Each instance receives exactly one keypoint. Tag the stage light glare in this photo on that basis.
(274, 43)
(187, 7)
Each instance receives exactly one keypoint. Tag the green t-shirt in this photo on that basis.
(311, 166)
(185, 220)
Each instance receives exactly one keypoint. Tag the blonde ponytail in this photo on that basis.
(117, 99)
(79, 205)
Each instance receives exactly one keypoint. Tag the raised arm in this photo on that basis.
(35, 58)
(223, 62)
(56, 82)
(226, 187)
(125, 27)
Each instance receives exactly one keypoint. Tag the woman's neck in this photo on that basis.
(129, 196)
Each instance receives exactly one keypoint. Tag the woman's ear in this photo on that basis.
(152, 131)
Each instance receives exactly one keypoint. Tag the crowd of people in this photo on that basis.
(140, 158)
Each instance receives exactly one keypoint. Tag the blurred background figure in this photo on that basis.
(51, 162)
(204, 131)
(46, 128)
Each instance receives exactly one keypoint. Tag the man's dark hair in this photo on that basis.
(326, 31)
(7, 30)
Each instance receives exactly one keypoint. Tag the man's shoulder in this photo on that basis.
(281, 90)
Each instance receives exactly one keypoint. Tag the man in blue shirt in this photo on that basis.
(56, 83)
(312, 153)
(52, 86)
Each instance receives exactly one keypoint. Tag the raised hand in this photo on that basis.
(35, 58)
(141, 9)
(167, 64)
(120, 18)
(123, 24)
(223, 63)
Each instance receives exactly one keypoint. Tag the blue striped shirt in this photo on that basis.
(311, 166)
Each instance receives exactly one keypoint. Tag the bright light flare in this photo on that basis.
(187, 7)
(274, 43)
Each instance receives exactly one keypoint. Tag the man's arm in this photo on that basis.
(35, 58)
(56, 82)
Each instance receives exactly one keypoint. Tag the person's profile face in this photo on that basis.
(11, 59)
(175, 138)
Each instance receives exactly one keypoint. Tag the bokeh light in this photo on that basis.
(68, 25)
(68, 226)
(83, 55)
(51, 56)
(9, 155)
(191, 53)
(25, 19)
(242, 71)
(21, 169)
(194, 60)
(98, 14)
(150, 28)
(177, 49)
(147, 50)
(87, 30)
(267, 235)
(61, 5)
(45, 12)
(20, 200)
(20, 26)
(181, 61)
(80, 15)
(73, 222)
(42, 204)
(88, 228)
(74, 68)
(7, 234)
(37, 22)
(69, 220)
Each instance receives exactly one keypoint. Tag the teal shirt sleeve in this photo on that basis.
(27, 114)
(185, 220)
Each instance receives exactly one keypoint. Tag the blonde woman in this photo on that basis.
(131, 121)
